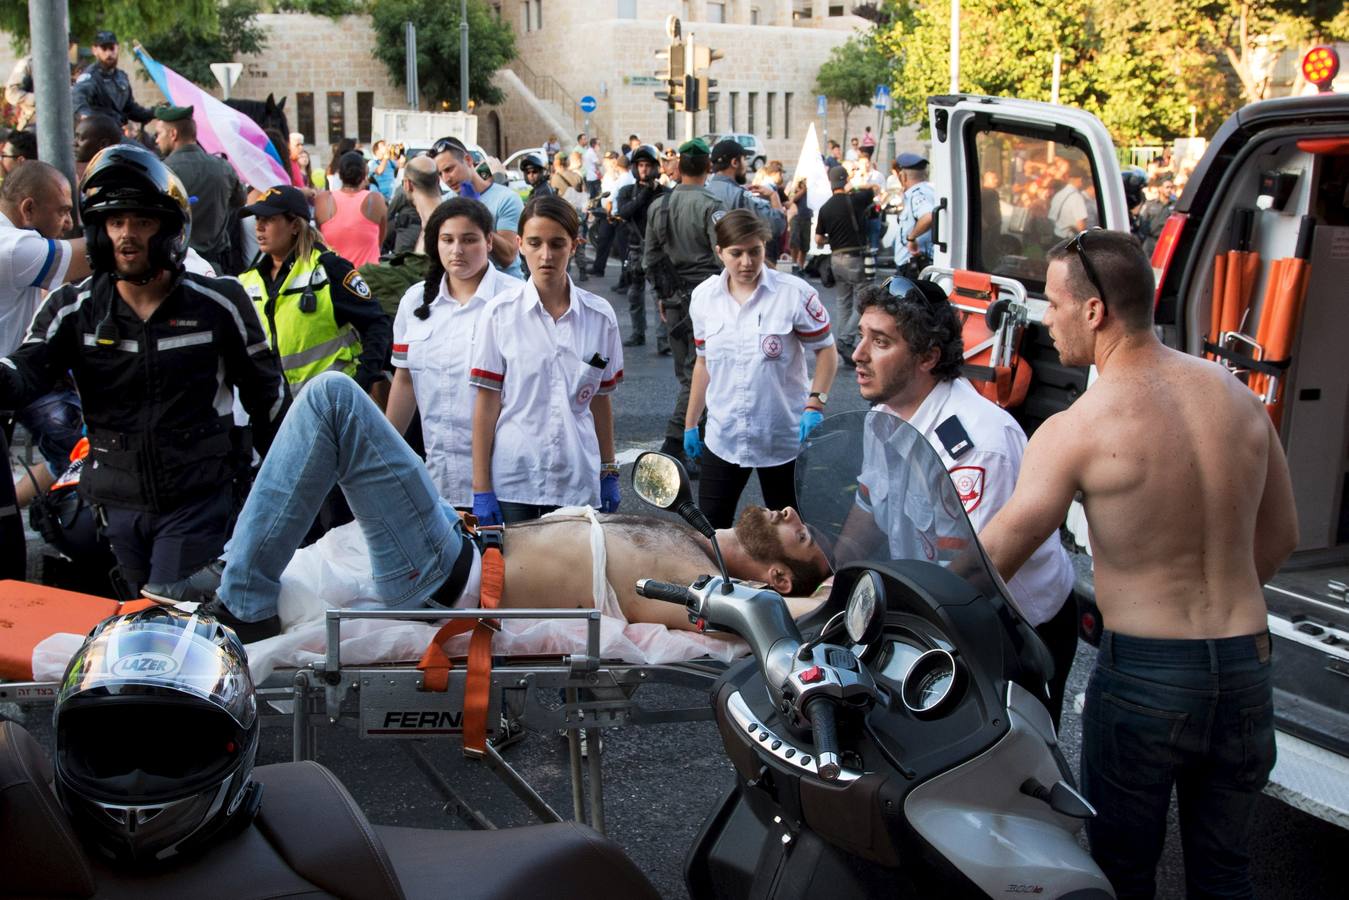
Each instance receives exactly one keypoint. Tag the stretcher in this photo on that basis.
(578, 692)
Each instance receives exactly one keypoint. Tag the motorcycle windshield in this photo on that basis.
(872, 488)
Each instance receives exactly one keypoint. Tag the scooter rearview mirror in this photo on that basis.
(660, 480)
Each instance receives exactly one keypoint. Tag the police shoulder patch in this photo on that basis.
(84, 76)
(718, 215)
(356, 284)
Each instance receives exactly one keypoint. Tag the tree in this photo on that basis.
(491, 44)
(190, 52)
(146, 21)
(851, 73)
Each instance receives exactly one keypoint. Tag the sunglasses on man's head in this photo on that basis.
(902, 288)
(445, 144)
(1079, 247)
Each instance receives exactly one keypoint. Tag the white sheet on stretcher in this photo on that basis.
(334, 572)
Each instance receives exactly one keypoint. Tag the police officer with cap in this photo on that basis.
(212, 185)
(105, 88)
(915, 220)
(318, 312)
(679, 253)
(727, 184)
(153, 350)
(631, 205)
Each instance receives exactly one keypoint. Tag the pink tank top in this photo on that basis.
(349, 232)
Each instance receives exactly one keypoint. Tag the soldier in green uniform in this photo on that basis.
(679, 253)
(210, 181)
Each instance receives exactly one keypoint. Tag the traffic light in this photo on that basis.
(702, 90)
(703, 57)
(677, 91)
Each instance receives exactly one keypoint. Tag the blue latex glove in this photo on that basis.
(486, 508)
(810, 420)
(693, 445)
(610, 495)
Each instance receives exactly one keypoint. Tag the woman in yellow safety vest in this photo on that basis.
(318, 312)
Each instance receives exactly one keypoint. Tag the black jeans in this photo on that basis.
(722, 483)
(1194, 714)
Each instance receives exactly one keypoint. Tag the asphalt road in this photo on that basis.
(660, 781)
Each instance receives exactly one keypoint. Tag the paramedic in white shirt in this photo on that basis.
(548, 358)
(908, 363)
(752, 329)
(434, 334)
(35, 210)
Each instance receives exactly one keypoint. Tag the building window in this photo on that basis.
(304, 117)
(529, 17)
(627, 9)
(754, 15)
(786, 115)
(337, 117)
(712, 98)
(365, 114)
(769, 112)
(670, 125)
(538, 14)
(751, 105)
(735, 118)
(716, 13)
(835, 10)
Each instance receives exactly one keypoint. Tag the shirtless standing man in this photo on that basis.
(335, 435)
(1190, 507)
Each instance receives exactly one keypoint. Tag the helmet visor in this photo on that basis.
(164, 654)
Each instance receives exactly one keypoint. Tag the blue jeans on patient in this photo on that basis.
(335, 435)
(1194, 714)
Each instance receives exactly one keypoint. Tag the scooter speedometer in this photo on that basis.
(932, 683)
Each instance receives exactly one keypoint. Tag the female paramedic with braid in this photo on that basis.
(549, 356)
(434, 333)
(752, 327)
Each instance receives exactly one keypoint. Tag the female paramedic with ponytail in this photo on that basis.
(548, 358)
(318, 311)
(438, 323)
(752, 326)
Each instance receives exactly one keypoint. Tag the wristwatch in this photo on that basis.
(821, 396)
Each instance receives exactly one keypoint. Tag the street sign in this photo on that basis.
(588, 104)
(644, 80)
(821, 104)
(881, 99)
(227, 74)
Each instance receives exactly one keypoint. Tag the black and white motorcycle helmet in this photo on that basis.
(156, 731)
(130, 178)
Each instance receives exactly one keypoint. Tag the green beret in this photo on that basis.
(695, 147)
(168, 113)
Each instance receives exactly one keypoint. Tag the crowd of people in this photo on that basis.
(404, 342)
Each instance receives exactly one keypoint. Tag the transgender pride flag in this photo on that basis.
(220, 128)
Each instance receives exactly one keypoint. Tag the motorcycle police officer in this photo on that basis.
(155, 354)
(915, 220)
(105, 88)
(679, 253)
(632, 204)
(535, 171)
(319, 313)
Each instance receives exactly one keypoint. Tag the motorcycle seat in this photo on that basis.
(309, 840)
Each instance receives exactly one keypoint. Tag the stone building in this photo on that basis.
(567, 49)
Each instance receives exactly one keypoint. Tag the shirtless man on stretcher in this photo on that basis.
(419, 553)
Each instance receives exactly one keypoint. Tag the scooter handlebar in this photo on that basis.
(821, 714)
(663, 590)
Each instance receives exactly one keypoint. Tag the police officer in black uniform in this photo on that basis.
(631, 205)
(535, 171)
(155, 353)
(105, 88)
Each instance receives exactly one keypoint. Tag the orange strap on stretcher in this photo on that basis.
(435, 664)
(1004, 384)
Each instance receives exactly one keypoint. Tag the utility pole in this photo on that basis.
(49, 26)
(463, 56)
(410, 75)
(955, 46)
(690, 107)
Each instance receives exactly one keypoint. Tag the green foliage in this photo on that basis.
(132, 20)
(1139, 72)
(851, 73)
(190, 52)
(330, 8)
(491, 44)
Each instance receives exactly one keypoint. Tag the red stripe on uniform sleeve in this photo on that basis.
(618, 376)
(807, 335)
(698, 343)
(400, 348)
(483, 373)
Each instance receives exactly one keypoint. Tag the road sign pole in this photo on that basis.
(48, 25)
(689, 118)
